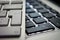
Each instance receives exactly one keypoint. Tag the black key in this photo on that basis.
(30, 11)
(34, 4)
(40, 28)
(27, 6)
(29, 24)
(31, 1)
(39, 20)
(47, 7)
(56, 22)
(53, 11)
(58, 15)
(43, 11)
(26, 18)
(38, 7)
(34, 15)
(48, 15)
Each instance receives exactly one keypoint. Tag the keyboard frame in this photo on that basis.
(53, 35)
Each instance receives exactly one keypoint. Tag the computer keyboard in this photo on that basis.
(40, 17)
(11, 18)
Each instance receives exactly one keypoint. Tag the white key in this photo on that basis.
(16, 1)
(3, 13)
(3, 21)
(10, 31)
(16, 17)
(13, 6)
(4, 1)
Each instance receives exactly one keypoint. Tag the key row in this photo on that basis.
(40, 28)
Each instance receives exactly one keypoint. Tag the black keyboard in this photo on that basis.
(40, 17)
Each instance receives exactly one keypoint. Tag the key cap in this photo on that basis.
(34, 4)
(53, 11)
(48, 15)
(16, 17)
(29, 24)
(58, 15)
(38, 7)
(30, 11)
(4, 1)
(34, 15)
(4, 22)
(31, 1)
(26, 18)
(39, 20)
(40, 28)
(10, 31)
(27, 6)
(55, 21)
(3, 13)
(12, 6)
(43, 11)
(47, 7)
(17, 1)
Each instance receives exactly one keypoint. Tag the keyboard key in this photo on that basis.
(16, 1)
(30, 11)
(40, 28)
(31, 1)
(16, 17)
(3, 13)
(58, 15)
(39, 20)
(56, 22)
(26, 18)
(43, 11)
(48, 15)
(10, 32)
(53, 11)
(27, 6)
(34, 4)
(12, 6)
(29, 24)
(47, 7)
(4, 22)
(34, 15)
(4, 1)
(38, 7)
